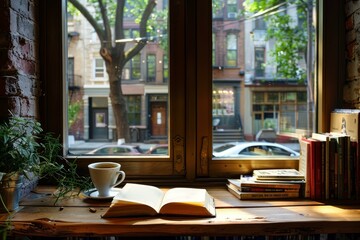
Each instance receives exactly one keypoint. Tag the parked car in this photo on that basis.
(246, 149)
(122, 149)
(162, 149)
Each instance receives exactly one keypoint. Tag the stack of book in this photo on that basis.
(331, 160)
(268, 184)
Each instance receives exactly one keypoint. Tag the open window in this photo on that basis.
(194, 98)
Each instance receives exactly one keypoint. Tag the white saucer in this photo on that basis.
(94, 194)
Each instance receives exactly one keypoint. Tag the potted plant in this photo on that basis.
(26, 152)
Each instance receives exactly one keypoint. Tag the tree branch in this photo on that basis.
(119, 21)
(107, 34)
(90, 18)
(144, 19)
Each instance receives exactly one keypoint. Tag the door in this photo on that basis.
(99, 126)
(158, 119)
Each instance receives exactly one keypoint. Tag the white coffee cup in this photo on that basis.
(104, 176)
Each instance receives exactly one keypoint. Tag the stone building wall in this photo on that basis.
(19, 58)
(352, 26)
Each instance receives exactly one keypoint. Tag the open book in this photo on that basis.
(144, 200)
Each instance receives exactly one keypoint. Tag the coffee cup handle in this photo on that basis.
(122, 173)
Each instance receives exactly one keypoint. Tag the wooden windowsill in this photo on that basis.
(38, 216)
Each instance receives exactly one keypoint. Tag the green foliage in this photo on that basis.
(290, 36)
(25, 148)
(19, 144)
(73, 111)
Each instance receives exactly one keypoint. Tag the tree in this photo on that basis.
(293, 38)
(108, 15)
(73, 111)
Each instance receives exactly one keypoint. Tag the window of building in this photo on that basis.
(133, 103)
(136, 67)
(165, 68)
(99, 68)
(191, 86)
(259, 61)
(231, 8)
(231, 50)
(218, 10)
(151, 67)
(223, 101)
(213, 49)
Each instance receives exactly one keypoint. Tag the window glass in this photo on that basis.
(231, 54)
(165, 68)
(99, 68)
(151, 67)
(126, 57)
(265, 46)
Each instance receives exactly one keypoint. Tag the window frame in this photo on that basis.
(98, 69)
(190, 61)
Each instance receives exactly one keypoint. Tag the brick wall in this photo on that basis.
(352, 25)
(19, 58)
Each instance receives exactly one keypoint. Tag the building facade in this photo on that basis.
(248, 94)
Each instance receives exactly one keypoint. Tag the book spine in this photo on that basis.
(264, 185)
(326, 169)
(319, 171)
(347, 156)
(265, 195)
(313, 156)
(304, 164)
(333, 149)
(340, 169)
(260, 189)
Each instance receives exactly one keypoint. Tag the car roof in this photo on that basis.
(243, 145)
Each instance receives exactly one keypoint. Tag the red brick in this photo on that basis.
(350, 50)
(349, 23)
(12, 104)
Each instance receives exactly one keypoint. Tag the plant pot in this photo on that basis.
(10, 189)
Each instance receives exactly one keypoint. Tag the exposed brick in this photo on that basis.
(25, 27)
(25, 66)
(24, 48)
(349, 23)
(351, 50)
(350, 36)
(351, 71)
(25, 84)
(12, 104)
(6, 66)
(8, 86)
(21, 6)
(351, 7)
(25, 108)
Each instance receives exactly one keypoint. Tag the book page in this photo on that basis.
(142, 194)
(188, 201)
(191, 196)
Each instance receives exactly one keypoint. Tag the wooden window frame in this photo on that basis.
(191, 135)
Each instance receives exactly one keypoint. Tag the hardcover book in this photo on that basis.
(249, 185)
(144, 200)
(278, 174)
(346, 121)
(260, 195)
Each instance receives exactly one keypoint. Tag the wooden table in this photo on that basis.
(38, 216)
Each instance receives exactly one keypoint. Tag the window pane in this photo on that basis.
(268, 71)
(151, 68)
(119, 78)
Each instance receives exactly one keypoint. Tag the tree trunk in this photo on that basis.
(118, 102)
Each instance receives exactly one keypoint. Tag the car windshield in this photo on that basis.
(223, 147)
